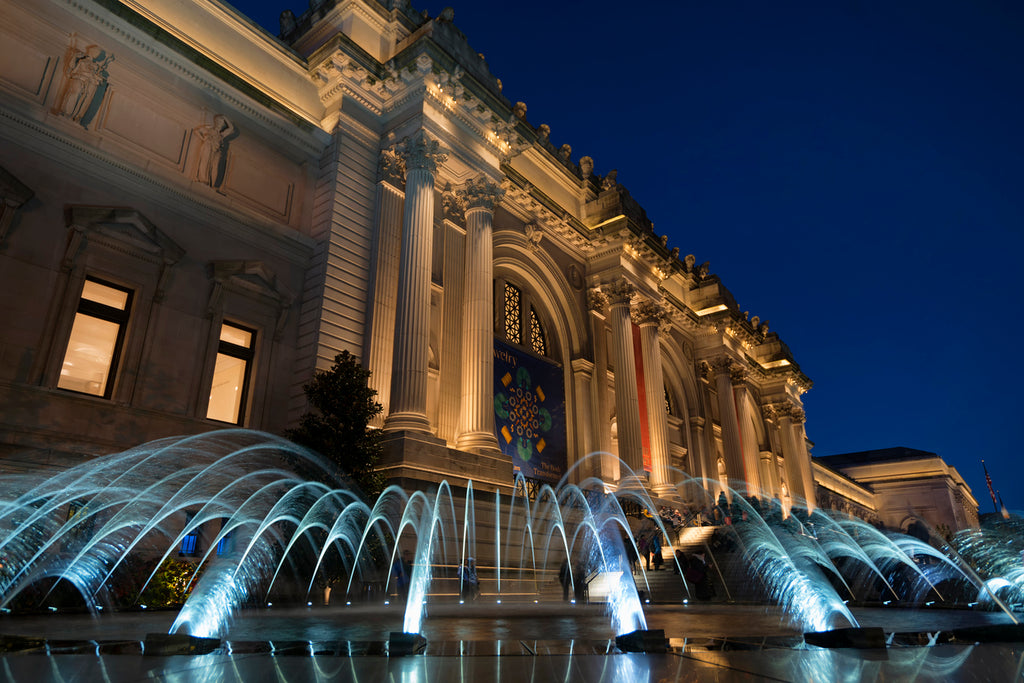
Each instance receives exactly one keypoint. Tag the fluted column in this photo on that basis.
(597, 303)
(582, 377)
(731, 447)
(794, 477)
(748, 435)
(698, 457)
(412, 319)
(476, 431)
(385, 259)
(627, 402)
(806, 473)
(769, 461)
(650, 317)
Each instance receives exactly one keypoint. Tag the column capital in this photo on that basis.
(582, 366)
(619, 291)
(481, 193)
(597, 300)
(698, 421)
(721, 365)
(391, 167)
(422, 152)
(453, 207)
(649, 312)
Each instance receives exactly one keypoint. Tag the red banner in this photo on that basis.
(645, 436)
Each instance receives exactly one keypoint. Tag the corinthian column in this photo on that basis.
(804, 459)
(748, 436)
(384, 262)
(650, 317)
(476, 424)
(412, 319)
(627, 402)
(794, 476)
(731, 447)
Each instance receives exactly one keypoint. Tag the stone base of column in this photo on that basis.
(416, 460)
(666, 492)
(633, 482)
(478, 442)
(407, 422)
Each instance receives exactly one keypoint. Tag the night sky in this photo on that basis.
(853, 170)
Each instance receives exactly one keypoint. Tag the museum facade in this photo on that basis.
(196, 216)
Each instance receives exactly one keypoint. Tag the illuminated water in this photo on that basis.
(277, 534)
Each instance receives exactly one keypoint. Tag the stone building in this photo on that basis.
(898, 488)
(197, 215)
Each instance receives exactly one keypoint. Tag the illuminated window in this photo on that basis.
(513, 304)
(230, 385)
(226, 544)
(521, 323)
(537, 334)
(97, 337)
(190, 543)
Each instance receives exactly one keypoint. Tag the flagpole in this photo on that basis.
(991, 491)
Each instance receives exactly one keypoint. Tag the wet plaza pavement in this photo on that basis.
(508, 643)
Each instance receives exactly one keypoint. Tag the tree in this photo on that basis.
(338, 429)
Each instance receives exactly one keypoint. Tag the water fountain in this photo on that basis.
(273, 530)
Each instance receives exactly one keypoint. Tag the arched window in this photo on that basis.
(520, 324)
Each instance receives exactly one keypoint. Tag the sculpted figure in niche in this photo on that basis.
(213, 147)
(84, 72)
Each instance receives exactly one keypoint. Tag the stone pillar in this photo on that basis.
(412, 319)
(804, 459)
(698, 458)
(769, 459)
(794, 477)
(607, 469)
(627, 402)
(582, 376)
(748, 435)
(476, 430)
(650, 317)
(731, 447)
(384, 290)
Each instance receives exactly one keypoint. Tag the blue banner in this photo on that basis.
(529, 412)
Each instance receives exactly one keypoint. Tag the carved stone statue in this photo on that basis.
(543, 132)
(564, 152)
(534, 235)
(84, 72)
(689, 260)
(586, 166)
(213, 148)
(519, 111)
(287, 22)
(610, 181)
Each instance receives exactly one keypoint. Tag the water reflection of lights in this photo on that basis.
(944, 662)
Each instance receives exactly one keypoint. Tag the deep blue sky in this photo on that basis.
(854, 171)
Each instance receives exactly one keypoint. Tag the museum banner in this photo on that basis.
(529, 412)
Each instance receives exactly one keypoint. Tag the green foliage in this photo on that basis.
(171, 585)
(338, 428)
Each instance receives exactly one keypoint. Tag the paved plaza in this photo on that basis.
(507, 643)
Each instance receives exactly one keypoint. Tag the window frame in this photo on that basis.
(95, 309)
(246, 354)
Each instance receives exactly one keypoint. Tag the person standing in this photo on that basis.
(469, 582)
